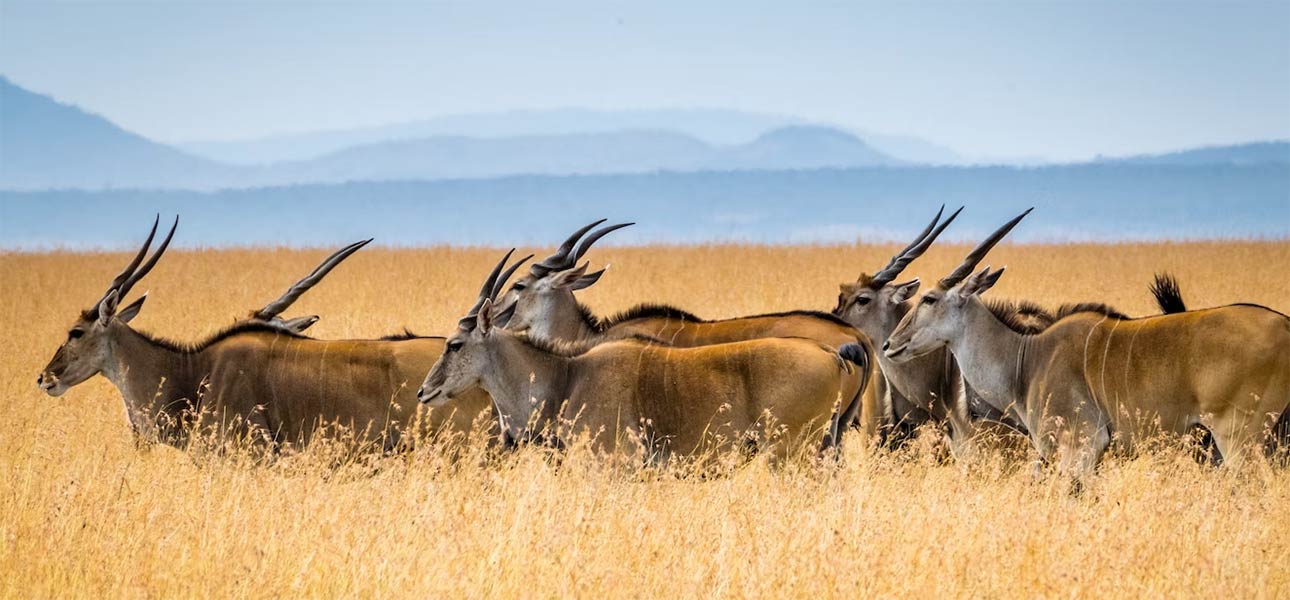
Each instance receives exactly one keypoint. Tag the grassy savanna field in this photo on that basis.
(83, 512)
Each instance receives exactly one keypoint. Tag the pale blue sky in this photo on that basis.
(1058, 80)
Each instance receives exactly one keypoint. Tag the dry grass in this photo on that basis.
(84, 513)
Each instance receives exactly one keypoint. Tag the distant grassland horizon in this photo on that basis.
(85, 513)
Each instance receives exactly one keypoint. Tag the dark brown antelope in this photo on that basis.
(1095, 376)
(255, 381)
(542, 306)
(668, 401)
(925, 389)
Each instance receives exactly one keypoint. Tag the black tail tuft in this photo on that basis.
(1168, 296)
(855, 354)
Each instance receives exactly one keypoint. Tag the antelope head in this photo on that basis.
(465, 356)
(86, 351)
(874, 303)
(939, 316)
(546, 292)
(272, 311)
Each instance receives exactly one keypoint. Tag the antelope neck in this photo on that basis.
(992, 358)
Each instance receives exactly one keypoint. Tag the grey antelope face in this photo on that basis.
(85, 352)
(875, 304)
(272, 311)
(938, 317)
(465, 355)
(547, 290)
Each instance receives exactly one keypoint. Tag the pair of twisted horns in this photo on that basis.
(497, 279)
(974, 258)
(276, 307)
(914, 250)
(567, 256)
(133, 272)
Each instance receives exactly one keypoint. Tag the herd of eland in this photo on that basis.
(656, 383)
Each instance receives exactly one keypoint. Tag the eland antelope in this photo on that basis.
(925, 389)
(671, 401)
(255, 381)
(1095, 376)
(542, 305)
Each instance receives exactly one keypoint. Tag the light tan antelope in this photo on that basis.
(669, 401)
(542, 305)
(1095, 376)
(255, 381)
(925, 389)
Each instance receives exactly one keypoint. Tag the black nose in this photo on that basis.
(886, 345)
(40, 379)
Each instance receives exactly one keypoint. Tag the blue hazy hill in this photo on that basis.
(44, 143)
(796, 147)
(1254, 153)
(718, 127)
(803, 147)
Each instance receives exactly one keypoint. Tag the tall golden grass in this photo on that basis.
(83, 512)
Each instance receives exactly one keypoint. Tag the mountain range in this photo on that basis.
(69, 177)
(47, 144)
(718, 127)
(1255, 153)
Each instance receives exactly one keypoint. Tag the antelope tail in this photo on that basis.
(854, 353)
(1168, 295)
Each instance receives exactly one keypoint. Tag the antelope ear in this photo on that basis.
(992, 279)
(980, 282)
(299, 324)
(905, 291)
(484, 320)
(132, 310)
(589, 279)
(502, 314)
(107, 307)
(569, 277)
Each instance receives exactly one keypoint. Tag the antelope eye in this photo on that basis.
(519, 287)
(863, 300)
(455, 345)
(929, 300)
(75, 333)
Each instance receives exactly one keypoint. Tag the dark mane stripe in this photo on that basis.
(642, 311)
(1029, 318)
(398, 337)
(663, 311)
(1067, 310)
(239, 328)
(593, 322)
(1026, 318)
(798, 313)
(1253, 305)
(246, 327)
(570, 349)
